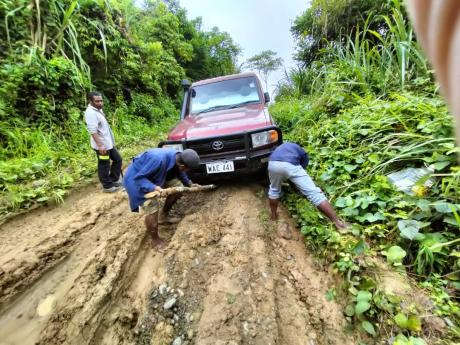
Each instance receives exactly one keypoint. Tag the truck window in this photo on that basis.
(224, 94)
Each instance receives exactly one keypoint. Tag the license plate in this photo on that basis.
(220, 167)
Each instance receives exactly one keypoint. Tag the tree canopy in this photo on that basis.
(333, 21)
(54, 51)
(265, 63)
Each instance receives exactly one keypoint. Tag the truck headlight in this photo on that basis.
(264, 138)
(177, 147)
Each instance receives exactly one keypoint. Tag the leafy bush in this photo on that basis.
(351, 154)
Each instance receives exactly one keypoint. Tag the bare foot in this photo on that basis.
(158, 243)
(168, 220)
(274, 216)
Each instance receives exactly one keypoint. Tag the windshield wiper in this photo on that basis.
(242, 103)
(229, 106)
(216, 107)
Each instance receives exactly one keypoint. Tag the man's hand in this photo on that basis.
(102, 150)
(340, 224)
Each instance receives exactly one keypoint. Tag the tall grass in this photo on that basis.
(370, 61)
(38, 165)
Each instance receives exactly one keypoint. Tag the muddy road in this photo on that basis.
(85, 273)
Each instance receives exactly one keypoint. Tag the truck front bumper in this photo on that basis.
(246, 160)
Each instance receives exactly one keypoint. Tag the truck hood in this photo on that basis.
(222, 122)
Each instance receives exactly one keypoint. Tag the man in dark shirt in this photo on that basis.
(288, 162)
(154, 170)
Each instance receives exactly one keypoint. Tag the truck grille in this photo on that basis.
(211, 146)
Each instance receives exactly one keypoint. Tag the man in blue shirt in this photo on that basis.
(154, 170)
(288, 162)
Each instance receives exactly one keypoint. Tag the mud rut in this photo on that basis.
(84, 273)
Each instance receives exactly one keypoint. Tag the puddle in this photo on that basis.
(46, 305)
(21, 322)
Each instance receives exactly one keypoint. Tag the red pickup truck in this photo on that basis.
(226, 121)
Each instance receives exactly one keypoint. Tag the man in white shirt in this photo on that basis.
(103, 142)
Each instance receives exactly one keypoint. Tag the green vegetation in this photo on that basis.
(363, 102)
(365, 105)
(53, 52)
(264, 63)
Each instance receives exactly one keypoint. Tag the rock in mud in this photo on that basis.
(169, 303)
(162, 288)
(177, 341)
(284, 231)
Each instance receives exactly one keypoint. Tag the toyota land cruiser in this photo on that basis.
(226, 121)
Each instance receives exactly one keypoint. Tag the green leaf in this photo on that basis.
(330, 294)
(444, 207)
(409, 228)
(341, 202)
(360, 248)
(401, 320)
(395, 254)
(367, 283)
(451, 221)
(349, 310)
(423, 204)
(372, 218)
(441, 165)
(361, 307)
(349, 167)
(414, 323)
(401, 340)
(417, 341)
(368, 327)
(231, 298)
(363, 296)
(373, 158)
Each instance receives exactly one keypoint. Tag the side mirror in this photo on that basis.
(185, 84)
(266, 97)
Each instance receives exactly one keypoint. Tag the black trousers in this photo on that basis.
(109, 173)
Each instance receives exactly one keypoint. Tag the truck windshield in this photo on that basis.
(224, 95)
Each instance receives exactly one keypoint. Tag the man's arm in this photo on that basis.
(303, 157)
(183, 177)
(100, 144)
(92, 123)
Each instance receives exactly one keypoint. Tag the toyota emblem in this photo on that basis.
(217, 145)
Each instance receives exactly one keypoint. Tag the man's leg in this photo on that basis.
(307, 187)
(169, 203)
(150, 208)
(103, 170)
(273, 204)
(117, 161)
(151, 224)
(276, 174)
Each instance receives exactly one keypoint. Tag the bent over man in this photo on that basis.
(154, 170)
(288, 162)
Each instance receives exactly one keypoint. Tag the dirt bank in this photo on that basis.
(84, 273)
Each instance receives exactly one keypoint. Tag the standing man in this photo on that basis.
(103, 142)
(288, 162)
(154, 170)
